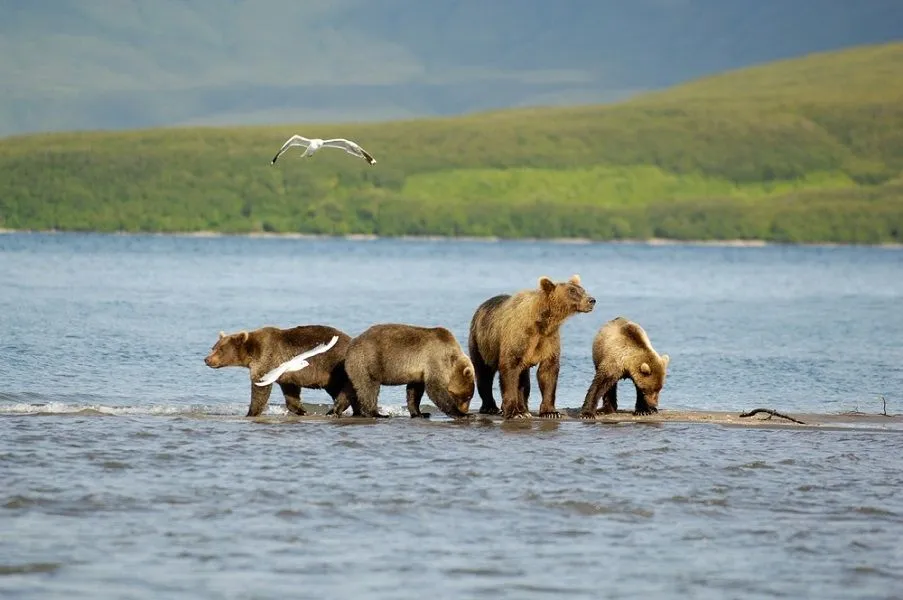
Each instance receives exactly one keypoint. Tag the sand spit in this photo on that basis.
(840, 421)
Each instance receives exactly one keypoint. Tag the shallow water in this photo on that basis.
(128, 470)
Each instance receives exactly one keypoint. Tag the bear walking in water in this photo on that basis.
(622, 350)
(265, 349)
(510, 334)
(425, 359)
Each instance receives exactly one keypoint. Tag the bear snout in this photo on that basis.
(464, 407)
(588, 304)
(210, 361)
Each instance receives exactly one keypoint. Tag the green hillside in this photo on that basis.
(809, 149)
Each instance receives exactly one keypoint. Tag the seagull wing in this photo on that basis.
(296, 363)
(295, 140)
(351, 148)
(321, 348)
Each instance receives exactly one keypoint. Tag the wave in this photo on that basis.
(27, 404)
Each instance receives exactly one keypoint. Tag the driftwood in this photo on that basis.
(771, 413)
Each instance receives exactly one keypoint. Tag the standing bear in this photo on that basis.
(425, 359)
(510, 334)
(268, 348)
(622, 350)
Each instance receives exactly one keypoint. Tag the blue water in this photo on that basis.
(162, 489)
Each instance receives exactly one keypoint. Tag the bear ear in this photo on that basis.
(468, 371)
(575, 279)
(644, 369)
(244, 337)
(546, 284)
(666, 359)
(222, 334)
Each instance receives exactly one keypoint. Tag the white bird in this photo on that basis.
(295, 364)
(312, 145)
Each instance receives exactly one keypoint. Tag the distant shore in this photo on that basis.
(697, 164)
(739, 243)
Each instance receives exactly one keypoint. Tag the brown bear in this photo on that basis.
(422, 358)
(510, 334)
(622, 350)
(264, 349)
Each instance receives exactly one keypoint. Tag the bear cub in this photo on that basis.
(622, 350)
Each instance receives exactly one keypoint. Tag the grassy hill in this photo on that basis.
(809, 149)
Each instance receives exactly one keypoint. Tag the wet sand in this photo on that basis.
(839, 421)
(846, 421)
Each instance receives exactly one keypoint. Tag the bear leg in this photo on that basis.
(523, 390)
(292, 394)
(260, 395)
(509, 379)
(610, 400)
(547, 376)
(642, 407)
(365, 387)
(342, 398)
(367, 395)
(415, 395)
(351, 396)
(483, 374)
(599, 386)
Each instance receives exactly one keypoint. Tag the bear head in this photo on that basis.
(649, 377)
(461, 384)
(566, 298)
(230, 351)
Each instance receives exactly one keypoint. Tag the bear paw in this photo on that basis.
(588, 416)
(422, 415)
(642, 412)
(517, 415)
(550, 415)
(489, 410)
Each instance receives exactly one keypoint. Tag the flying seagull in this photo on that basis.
(297, 363)
(316, 143)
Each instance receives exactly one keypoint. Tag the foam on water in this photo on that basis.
(163, 410)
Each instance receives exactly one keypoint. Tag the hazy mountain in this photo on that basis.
(79, 64)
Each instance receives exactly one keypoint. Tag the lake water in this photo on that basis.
(128, 470)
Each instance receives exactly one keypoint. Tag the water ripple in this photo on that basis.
(129, 470)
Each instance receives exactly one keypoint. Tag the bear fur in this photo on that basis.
(510, 334)
(622, 350)
(425, 359)
(266, 348)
